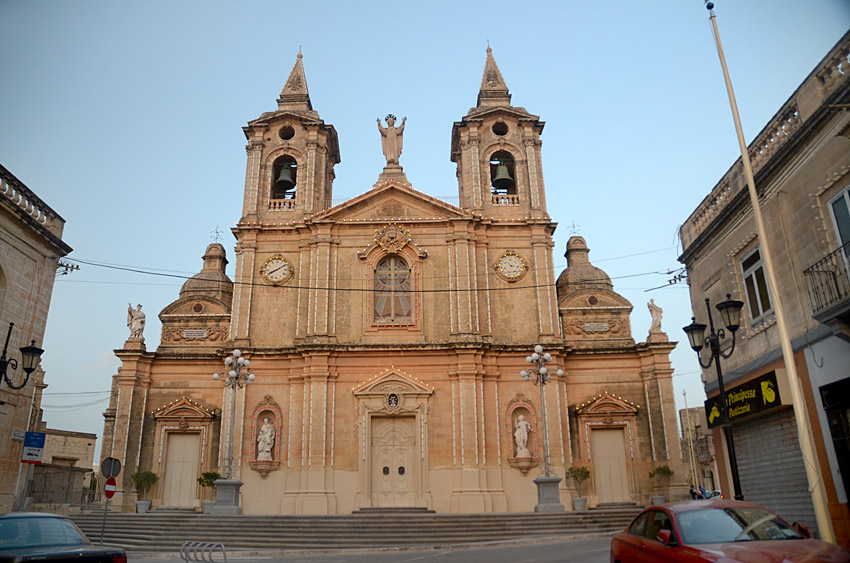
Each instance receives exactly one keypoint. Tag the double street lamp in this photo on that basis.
(548, 496)
(539, 375)
(29, 360)
(730, 312)
(236, 376)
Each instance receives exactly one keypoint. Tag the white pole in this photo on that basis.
(804, 430)
(690, 442)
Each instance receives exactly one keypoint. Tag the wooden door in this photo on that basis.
(394, 470)
(608, 448)
(181, 470)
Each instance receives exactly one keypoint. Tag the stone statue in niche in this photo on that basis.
(265, 441)
(521, 436)
(656, 312)
(135, 322)
(391, 139)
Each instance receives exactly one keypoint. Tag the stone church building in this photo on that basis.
(387, 335)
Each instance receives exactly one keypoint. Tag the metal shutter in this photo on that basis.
(771, 468)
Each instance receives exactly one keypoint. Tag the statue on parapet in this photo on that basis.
(136, 322)
(391, 139)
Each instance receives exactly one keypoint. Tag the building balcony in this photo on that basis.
(828, 283)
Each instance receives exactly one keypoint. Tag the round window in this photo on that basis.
(287, 132)
(500, 128)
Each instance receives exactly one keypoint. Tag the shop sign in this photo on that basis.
(752, 397)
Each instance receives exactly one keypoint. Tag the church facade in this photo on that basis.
(387, 335)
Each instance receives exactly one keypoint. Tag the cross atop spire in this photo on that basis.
(295, 95)
(494, 91)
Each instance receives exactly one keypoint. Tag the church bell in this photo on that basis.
(284, 180)
(502, 179)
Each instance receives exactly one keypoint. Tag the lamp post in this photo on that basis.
(29, 360)
(548, 499)
(236, 377)
(730, 312)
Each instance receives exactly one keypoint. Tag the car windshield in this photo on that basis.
(20, 533)
(723, 525)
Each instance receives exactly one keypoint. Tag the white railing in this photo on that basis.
(19, 195)
(831, 73)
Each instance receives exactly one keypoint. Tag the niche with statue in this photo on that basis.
(265, 433)
(522, 421)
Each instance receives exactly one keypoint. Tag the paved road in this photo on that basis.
(576, 551)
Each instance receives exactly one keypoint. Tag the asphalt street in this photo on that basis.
(575, 551)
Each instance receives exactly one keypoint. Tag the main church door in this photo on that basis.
(395, 466)
(609, 465)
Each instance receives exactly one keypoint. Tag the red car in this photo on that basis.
(717, 530)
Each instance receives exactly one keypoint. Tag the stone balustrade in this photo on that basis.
(503, 200)
(15, 192)
(831, 73)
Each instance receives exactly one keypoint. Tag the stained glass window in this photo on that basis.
(391, 291)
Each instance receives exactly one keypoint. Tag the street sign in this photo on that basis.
(110, 467)
(33, 447)
(109, 488)
(18, 435)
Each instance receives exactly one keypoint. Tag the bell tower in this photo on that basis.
(291, 156)
(497, 150)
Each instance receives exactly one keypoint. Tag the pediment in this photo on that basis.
(599, 300)
(391, 201)
(393, 380)
(607, 404)
(184, 409)
(196, 306)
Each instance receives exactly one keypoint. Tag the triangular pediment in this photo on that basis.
(185, 409)
(392, 201)
(393, 379)
(607, 404)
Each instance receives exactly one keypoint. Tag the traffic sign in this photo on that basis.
(110, 467)
(109, 488)
(33, 447)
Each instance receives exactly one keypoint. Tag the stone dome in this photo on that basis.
(580, 273)
(211, 281)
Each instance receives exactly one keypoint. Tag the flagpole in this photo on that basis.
(804, 429)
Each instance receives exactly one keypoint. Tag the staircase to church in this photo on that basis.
(159, 532)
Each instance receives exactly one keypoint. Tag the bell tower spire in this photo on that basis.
(494, 90)
(295, 95)
(497, 150)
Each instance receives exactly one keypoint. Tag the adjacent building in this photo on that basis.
(30, 248)
(387, 335)
(801, 161)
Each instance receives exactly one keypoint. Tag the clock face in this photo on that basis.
(276, 269)
(511, 266)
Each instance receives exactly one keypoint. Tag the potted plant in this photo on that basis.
(144, 480)
(579, 475)
(662, 475)
(208, 479)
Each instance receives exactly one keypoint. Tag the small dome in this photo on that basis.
(211, 281)
(580, 273)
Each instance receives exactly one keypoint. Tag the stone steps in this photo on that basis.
(166, 531)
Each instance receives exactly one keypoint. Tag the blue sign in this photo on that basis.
(33, 447)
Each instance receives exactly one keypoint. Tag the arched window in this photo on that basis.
(284, 178)
(392, 299)
(502, 174)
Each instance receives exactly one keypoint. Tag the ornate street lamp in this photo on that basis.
(236, 377)
(29, 360)
(548, 499)
(730, 312)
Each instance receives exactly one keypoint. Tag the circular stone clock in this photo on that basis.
(511, 266)
(277, 270)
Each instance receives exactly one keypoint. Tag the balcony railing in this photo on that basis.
(828, 280)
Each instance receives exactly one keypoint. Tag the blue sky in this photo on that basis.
(126, 117)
